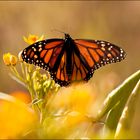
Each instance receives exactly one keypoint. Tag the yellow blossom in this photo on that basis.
(13, 60)
(32, 38)
(6, 59)
(77, 102)
(14, 113)
(77, 98)
(9, 59)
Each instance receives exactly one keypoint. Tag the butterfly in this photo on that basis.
(70, 60)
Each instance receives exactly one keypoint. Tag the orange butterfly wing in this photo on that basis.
(98, 53)
(44, 53)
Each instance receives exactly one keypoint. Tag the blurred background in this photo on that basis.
(114, 21)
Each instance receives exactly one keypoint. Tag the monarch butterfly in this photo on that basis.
(70, 60)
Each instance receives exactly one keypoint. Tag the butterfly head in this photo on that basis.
(67, 36)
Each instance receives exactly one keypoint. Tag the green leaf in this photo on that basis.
(116, 101)
(128, 112)
(120, 94)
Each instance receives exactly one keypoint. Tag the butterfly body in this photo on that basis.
(69, 49)
(70, 60)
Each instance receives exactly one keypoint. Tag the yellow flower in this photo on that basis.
(32, 39)
(77, 98)
(16, 117)
(6, 59)
(74, 103)
(9, 59)
(13, 60)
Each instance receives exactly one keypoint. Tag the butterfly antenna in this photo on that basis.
(58, 31)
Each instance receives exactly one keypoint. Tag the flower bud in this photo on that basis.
(6, 59)
(28, 77)
(36, 75)
(44, 77)
(13, 60)
(46, 83)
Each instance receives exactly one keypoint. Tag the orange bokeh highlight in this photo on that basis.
(23, 96)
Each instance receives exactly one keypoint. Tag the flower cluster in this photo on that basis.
(38, 84)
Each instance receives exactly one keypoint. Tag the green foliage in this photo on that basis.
(116, 102)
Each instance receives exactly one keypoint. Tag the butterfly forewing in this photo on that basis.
(43, 53)
(98, 52)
